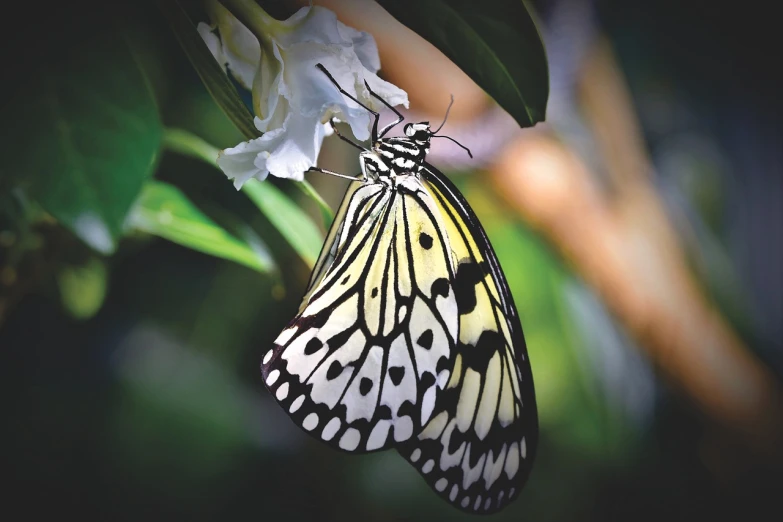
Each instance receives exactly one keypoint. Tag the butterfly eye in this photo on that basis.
(409, 129)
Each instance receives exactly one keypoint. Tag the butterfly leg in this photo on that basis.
(346, 140)
(358, 177)
(390, 126)
(348, 95)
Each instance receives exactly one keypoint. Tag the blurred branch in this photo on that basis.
(621, 243)
(624, 246)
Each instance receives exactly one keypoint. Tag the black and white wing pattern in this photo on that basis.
(362, 365)
(478, 447)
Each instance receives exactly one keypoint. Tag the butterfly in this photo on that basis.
(407, 336)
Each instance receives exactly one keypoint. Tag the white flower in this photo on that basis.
(292, 98)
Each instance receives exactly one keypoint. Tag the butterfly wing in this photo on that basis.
(477, 450)
(362, 364)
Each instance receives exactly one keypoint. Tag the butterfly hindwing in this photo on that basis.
(477, 449)
(362, 364)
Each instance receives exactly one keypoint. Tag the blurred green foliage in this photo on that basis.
(130, 385)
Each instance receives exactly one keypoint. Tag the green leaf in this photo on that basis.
(83, 132)
(327, 215)
(294, 225)
(82, 287)
(183, 142)
(495, 42)
(163, 210)
(208, 69)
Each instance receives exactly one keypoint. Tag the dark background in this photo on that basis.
(154, 408)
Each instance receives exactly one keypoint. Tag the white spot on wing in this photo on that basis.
(443, 378)
(328, 392)
(283, 338)
(447, 459)
(299, 364)
(441, 484)
(447, 307)
(393, 395)
(378, 435)
(453, 493)
(422, 319)
(494, 468)
(310, 422)
(427, 467)
(523, 448)
(416, 455)
(331, 429)
(477, 503)
(297, 404)
(465, 502)
(512, 461)
(267, 357)
(403, 428)
(350, 439)
(427, 405)
(471, 475)
(505, 413)
(282, 392)
(358, 406)
(272, 377)
(401, 313)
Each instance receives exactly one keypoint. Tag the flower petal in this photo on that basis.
(311, 93)
(213, 43)
(364, 47)
(248, 159)
(388, 91)
(269, 92)
(240, 47)
(316, 24)
(298, 151)
(292, 98)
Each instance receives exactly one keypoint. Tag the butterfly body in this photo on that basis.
(408, 338)
(397, 156)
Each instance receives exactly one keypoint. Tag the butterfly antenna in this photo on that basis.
(458, 143)
(447, 114)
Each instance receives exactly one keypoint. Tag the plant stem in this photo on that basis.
(326, 212)
(253, 17)
(184, 142)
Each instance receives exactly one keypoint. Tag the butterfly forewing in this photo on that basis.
(478, 447)
(362, 364)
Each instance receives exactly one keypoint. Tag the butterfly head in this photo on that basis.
(419, 133)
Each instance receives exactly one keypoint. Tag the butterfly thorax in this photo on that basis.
(398, 156)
